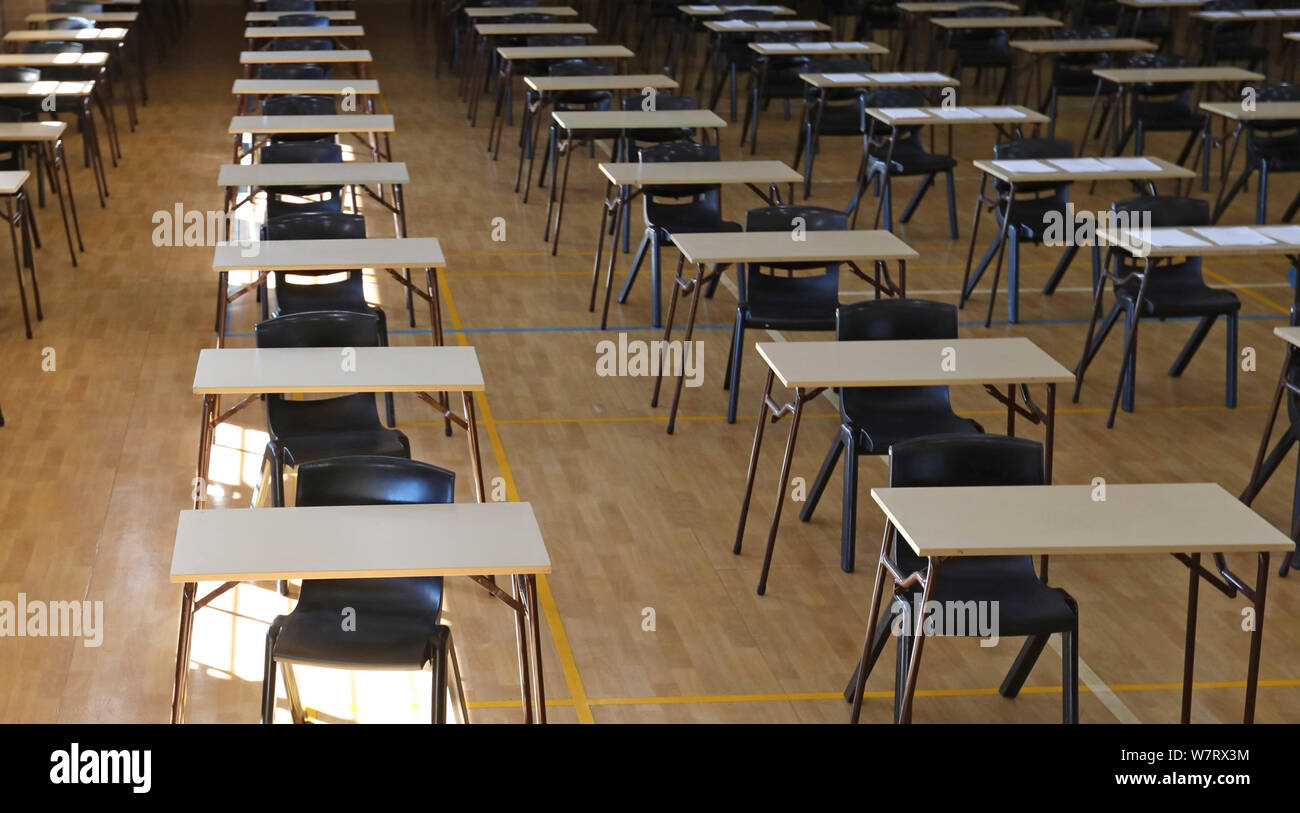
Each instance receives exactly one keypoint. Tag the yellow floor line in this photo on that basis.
(549, 608)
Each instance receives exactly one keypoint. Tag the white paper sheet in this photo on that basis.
(1025, 165)
(904, 113)
(780, 46)
(1234, 236)
(1219, 15)
(889, 78)
(1165, 238)
(704, 8)
(957, 113)
(1282, 234)
(846, 77)
(814, 46)
(933, 77)
(849, 44)
(1081, 165)
(1001, 113)
(1264, 12)
(1132, 164)
(774, 24)
(732, 23)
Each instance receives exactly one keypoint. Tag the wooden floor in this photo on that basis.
(97, 455)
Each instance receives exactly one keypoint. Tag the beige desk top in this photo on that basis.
(718, 11)
(1146, 4)
(358, 541)
(1023, 21)
(287, 31)
(1072, 169)
(949, 8)
(988, 115)
(506, 11)
(872, 80)
(759, 26)
(1277, 111)
(1063, 520)
(1248, 16)
(1083, 46)
(330, 255)
(32, 131)
(635, 119)
(12, 181)
(97, 34)
(319, 87)
(93, 59)
(531, 29)
(818, 48)
(1175, 75)
(704, 172)
(272, 16)
(1290, 335)
(559, 84)
(318, 370)
(125, 17)
(337, 123)
(565, 52)
(1284, 240)
(861, 245)
(46, 87)
(346, 173)
(911, 363)
(293, 57)
(1292, 35)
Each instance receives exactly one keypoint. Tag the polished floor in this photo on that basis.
(648, 615)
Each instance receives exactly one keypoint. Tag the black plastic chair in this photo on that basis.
(734, 55)
(1161, 108)
(1229, 40)
(302, 21)
(291, 5)
(1167, 291)
(581, 99)
(673, 210)
(905, 157)
(75, 8)
(398, 618)
(771, 301)
(1072, 75)
(301, 44)
(1026, 606)
(1271, 147)
(302, 152)
(1032, 210)
(303, 431)
(304, 71)
(874, 418)
(981, 48)
(300, 104)
(829, 115)
(777, 77)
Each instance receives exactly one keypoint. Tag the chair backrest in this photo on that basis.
(1082, 61)
(302, 20)
(1264, 132)
(1166, 211)
(751, 14)
(14, 74)
(301, 152)
(787, 218)
(1033, 148)
(373, 480)
(69, 24)
(960, 461)
(319, 329)
(525, 18)
(1142, 92)
(581, 67)
(676, 152)
(663, 101)
(296, 72)
(76, 8)
(302, 44)
(315, 226)
(291, 5)
(556, 40)
(973, 38)
(299, 104)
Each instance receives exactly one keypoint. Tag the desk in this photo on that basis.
(478, 541)
(720, 249)
(336, 33)
(1185, 520)
(920, 12)
(1139, 7)
(540, 90)
(690, 19)
(547, 53)
(246, 89)
(349, 173)
(628, 180)
(388, 253)
(120, 17)
(719, 30)
(356, 123)
(270, 17)
(1066, 170)
(1168, 244)
(809, 368)
(1038, 50)
(481, 13)
(113, 36)
(1264, 468)
(1013, 23)
(84, 92)
(481, 50)
(1234, 111)
(13, 191)
(46, 137)
(623, 124)
(358, 59)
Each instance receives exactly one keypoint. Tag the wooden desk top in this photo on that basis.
(12, 182)
(1145, 4)
(635, 119)
(45, 87)
(93, 59)
(531, 29)
(949, 8)
(1207, 241)
(1290, 335)
(292, 57)
(286, 31)
(818, 48)
(32, 131)
(1021, 21)
(358, 541)
(1003, 114)
(337, 123)
(1176, 75)
(1274, 111)
(97, 34)
(1083, 46)
(505, 11)
(873, 80)
(861, 245)
(346, 173)
(272, 16)
(559, 84)
(125, 17)
(330, 255)
(703, 172)
(565, 52)
(1065, 520)
(1294, 36)
(318, 370)
(1248, 15)
(718, 11)
(911, 363)
(319, 87)
(755, 26)
(1085, 169)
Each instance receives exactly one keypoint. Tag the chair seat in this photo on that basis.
(1282, 155)
(914, 162)
(1167, 116)
(581, 98)
(686, 219)
(305, 448)
(1030, 215)
(840, 120)
(880, 429)
(391, 641)
(797, 310)
(1177, 294)
(1025, 605)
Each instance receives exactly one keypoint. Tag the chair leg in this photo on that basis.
(984, 263)
(291, 689)
(656, 277)
(462, 708)
(1062, 266)
(1128, 379)
(635, 269)
(823, 475)
(1070, 677)
(904, 655)
(1261, 199)
(268, 674)
(877, 646)
(1232, 192)
(952, 205)
(438, 664)
(1090, 352)
(888, 203)
(926, 183)
(733, 366)
(849, 514)
(1230, 381)
(1023, 664)
(1192, 345)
